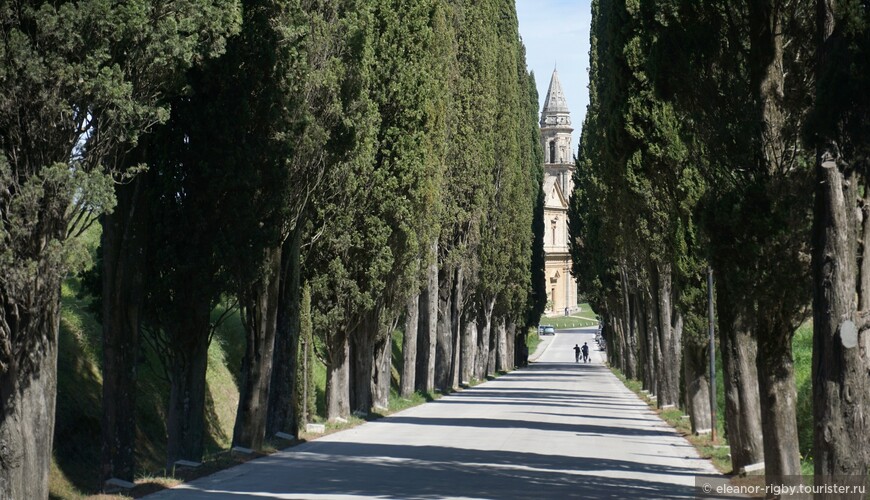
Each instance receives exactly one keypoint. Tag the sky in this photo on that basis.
(556, 33)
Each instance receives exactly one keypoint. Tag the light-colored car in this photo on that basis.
(547, 330)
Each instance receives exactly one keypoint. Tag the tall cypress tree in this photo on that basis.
(224, 205)
(402, 185)
(747, 101)
(469, 175)
(535, 167)
(81, 83)
(838, 129)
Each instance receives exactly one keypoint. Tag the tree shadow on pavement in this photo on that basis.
(425, 472)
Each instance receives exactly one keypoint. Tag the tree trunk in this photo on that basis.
(742, 404)
(382, 368)
(521, 349)
(501, 361)
(841, 342)
(616, 334)
(122, 243)
(469, 350)
(409, 346)
(444, 351)
(677, 344)
(773, 324)
(778, 402)
(604, 319)
(427, 341)
(382, 373)
(186, 421)
(484, 340)
(634, 327)
(651, 334)
(282, 415)
(305, 393)
(362, 357)
(338, 379)
(622, 338)
(492, 362)
(625, 324)
(696, 368)
(428, 327)
(669, 347)
(510, 343)
(456, 326)
(643, 365)
(28, 388)
(261, 311)
(613, 341)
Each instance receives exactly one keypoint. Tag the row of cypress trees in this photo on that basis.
(733, 136)
(381, 155)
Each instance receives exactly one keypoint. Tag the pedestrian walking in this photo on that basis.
(576, 353)
(585, 350)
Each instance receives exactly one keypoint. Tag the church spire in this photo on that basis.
(555, 102)
(556, 127)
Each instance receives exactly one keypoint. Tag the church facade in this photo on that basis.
(558, 185)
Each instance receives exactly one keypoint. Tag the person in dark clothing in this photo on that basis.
(576, 353)
(585, 350)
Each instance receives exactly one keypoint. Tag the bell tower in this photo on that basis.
(556, 136)
(558, 186)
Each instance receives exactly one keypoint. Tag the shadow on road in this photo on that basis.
(504, 450)
(383, 471)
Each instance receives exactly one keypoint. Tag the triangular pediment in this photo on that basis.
(553, 195)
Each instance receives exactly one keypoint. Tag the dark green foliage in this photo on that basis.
(688, 154)
(81, 82)
(378, 126)
(535, 156)
(505, 250)
(842, 107)
(381, 206)
(595, 236)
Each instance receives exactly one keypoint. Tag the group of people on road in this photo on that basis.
(581, 350)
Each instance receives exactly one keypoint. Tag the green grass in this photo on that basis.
(584, 318)
(79, 399)
(532, 340)
(802, 351)
(74, 471)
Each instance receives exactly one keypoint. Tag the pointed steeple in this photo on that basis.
(556, 128)
(555, 102)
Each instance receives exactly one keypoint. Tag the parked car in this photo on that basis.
(546, 330)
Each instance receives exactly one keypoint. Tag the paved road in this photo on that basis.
(555, 430)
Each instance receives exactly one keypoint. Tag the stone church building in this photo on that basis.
(558, 185)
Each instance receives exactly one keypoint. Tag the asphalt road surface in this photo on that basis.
(557, 429)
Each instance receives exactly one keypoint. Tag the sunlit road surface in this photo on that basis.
(557, 429)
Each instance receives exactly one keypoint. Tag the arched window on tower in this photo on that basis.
(552, 151)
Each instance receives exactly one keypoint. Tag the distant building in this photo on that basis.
(558, 185)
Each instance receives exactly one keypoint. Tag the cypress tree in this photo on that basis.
(838, 130)
(71, 70)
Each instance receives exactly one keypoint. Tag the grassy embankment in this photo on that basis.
(75, 466)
